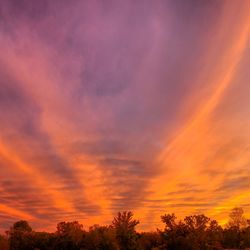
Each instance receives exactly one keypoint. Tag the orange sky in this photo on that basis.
(124, 106)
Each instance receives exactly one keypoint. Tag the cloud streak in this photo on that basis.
(127, 105)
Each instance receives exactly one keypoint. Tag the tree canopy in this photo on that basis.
(193, 232)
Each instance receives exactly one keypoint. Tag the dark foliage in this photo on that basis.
(195, 232)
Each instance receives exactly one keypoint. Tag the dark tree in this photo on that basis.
(236, 218)
(175, 233)
(195, 232)
(150, 240)
(124, 226)
(22, 226)
(69, 235)
(4, 243)
(20, 236)
(100, 237)
(170, 221)
(214, 235)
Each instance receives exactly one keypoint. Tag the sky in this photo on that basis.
(108, 106)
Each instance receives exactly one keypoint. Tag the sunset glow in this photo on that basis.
(108, 106)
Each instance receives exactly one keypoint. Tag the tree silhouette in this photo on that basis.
(169, 220)
(3, 243)
(194, 232)
(22, 226)
(100, 237)
(124, 226)
(214, 234)
(236, 218)
(19, 236)
(69, 235)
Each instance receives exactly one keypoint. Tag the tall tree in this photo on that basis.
(20, 236)
(124, 226)
(100, 237)
(69, 235)
(22, 226)
(236, 218)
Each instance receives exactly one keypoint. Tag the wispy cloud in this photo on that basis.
(122, 105)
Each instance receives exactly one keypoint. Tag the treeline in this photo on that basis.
(195, 232)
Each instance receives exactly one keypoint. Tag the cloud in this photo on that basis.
(234, 184)
(116, 106)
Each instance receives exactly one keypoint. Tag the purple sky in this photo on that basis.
(114, 105)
